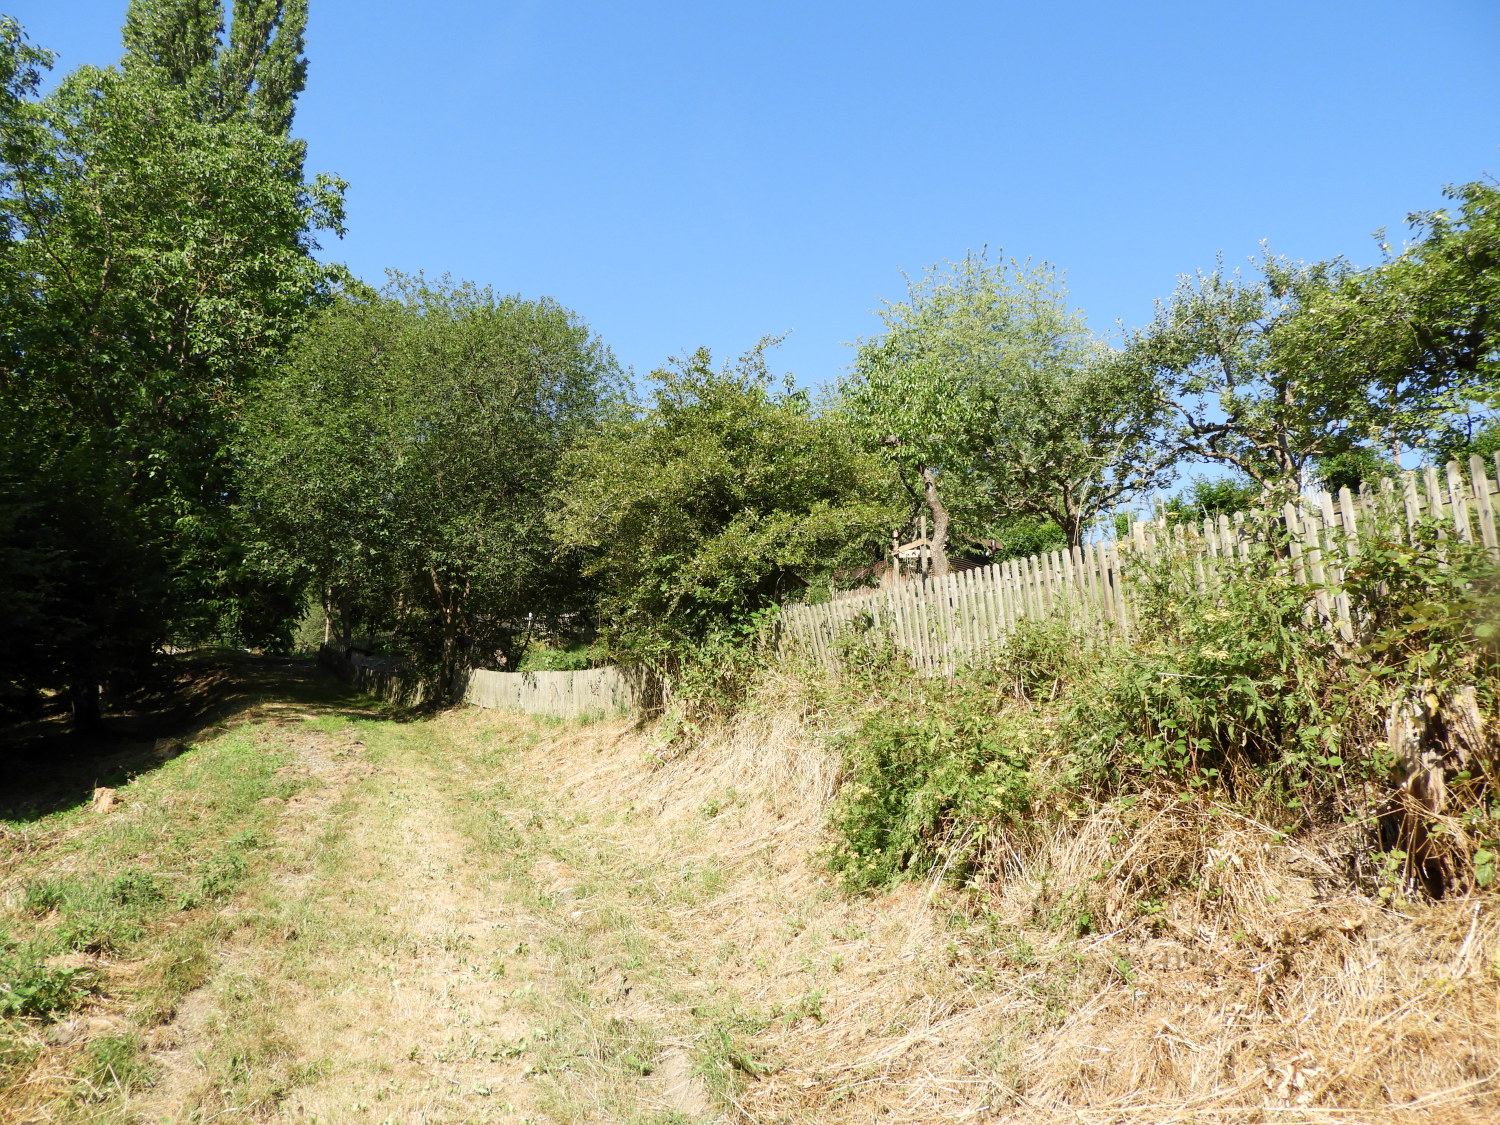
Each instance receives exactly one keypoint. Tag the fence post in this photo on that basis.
(1412, 502)
(1460, 502)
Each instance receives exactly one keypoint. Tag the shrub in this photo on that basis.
(931, 774)
(1238, 690)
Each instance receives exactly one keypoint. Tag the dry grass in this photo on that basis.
(484, 918)
(1166, 962)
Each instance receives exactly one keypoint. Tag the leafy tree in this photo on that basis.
(721, 498)
(1307, 368)
(1421, 331)
(157, 255)
(1239, 384)
(403, 455)
(993, 398)
(256, 75)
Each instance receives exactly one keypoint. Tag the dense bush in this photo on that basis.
(1238, 696)
(718, 500)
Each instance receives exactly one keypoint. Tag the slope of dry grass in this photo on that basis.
(1059, 991)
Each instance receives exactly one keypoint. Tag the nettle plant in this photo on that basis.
(1228, 689)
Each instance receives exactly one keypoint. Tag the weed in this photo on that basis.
(31, 989)
(134, 887)
(42, 896)
(808, 1006)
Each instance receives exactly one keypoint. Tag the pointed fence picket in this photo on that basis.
(940, 623)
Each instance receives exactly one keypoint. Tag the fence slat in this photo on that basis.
(1459, 501)
(1294, 536)
(1350, 528)
(1483, 508)
(1433, 492)
(1413, 504)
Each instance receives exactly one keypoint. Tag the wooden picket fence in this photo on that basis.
(942, 622)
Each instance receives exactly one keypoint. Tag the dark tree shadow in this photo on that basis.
(45, 768)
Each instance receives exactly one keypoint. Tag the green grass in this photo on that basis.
(140, 885)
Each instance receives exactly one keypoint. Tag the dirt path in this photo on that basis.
(419, 954)
(481, 918)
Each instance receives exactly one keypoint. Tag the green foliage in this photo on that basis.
(1312, 366)
(1354, 469)
(1465, 436)
(1243, 383)
(1019, 537)
(116, 1060)
(403, 456)
(1421, 331)
(713, 678)
(572, 658)
(933, 767)
(1427, 608)
(1237, 693)
(157, 254)
(1230, 691)
(134, 887)
(1204, 497)
(255, 76)
(721, 498)
(986, 377)
(30, 989)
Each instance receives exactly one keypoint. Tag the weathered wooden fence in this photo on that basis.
(939, 622)
(379, 676)
(594, 693)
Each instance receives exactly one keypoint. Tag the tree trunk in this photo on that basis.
(939, 539)
(83, 696)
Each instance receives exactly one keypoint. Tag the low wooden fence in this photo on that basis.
(940, 622)
(379, 676)
(594, 693)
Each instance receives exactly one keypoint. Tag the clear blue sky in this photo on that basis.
(705, 173)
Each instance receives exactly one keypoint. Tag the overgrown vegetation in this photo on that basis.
(1238, 697)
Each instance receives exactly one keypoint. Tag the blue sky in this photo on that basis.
(707, 173)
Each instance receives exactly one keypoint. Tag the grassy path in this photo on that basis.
(416, 955)
(317, 914)
(416, 933)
